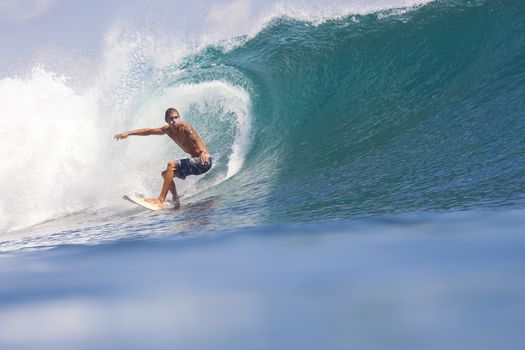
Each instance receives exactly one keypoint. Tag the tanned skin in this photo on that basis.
(185, 136)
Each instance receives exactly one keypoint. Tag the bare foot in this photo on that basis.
(155, 201)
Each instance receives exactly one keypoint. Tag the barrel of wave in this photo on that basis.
(221, 114)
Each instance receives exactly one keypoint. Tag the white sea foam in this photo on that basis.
(56, 141)
(48, 152)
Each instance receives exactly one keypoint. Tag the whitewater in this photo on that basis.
(62, 158)
(367, 190)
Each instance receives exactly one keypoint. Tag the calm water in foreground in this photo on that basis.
(444, 281)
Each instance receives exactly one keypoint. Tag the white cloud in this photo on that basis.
(231, 17)
(24, 10)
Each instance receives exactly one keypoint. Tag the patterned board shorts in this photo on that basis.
(192, 166)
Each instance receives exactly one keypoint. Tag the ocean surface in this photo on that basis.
(368, 190)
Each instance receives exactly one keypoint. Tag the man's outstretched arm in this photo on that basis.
(142, 132)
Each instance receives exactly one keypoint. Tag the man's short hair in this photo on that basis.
(169, 111)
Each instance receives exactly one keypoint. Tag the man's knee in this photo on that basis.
(163, 173)
(171, 165)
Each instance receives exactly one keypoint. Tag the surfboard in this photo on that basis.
(142, 202)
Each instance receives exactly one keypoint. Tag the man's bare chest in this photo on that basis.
(181, 137)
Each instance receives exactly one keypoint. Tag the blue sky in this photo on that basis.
(30, 27)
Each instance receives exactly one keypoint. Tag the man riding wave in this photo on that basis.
(187, 138)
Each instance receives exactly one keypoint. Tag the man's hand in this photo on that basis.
(120, 136)
(204, 157)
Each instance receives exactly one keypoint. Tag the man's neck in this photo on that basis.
(176, 127)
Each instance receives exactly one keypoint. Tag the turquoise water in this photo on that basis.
(368, 193)
(382, 113)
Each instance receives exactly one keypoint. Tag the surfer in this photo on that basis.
(187, 138)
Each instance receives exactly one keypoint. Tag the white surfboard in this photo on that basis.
(142, 202)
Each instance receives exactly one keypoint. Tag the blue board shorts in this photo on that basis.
(192, 166)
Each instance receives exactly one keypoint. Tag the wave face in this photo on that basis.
(393, 111)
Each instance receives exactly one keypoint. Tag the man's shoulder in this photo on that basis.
(186, 126)
(166, 130)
